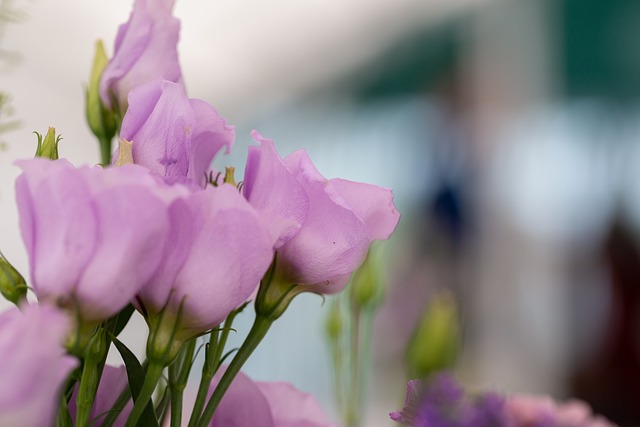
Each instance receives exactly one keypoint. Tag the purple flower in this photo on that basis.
(265, 404)
(441, 402)
(34, 364)
(112, 383)
(219, 251)
(145, 49)
(94, 236)
(292, 408)
(173, 135)
(323, 228)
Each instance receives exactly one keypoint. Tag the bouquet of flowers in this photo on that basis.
(154, 229)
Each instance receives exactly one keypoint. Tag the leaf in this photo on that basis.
(116, 323)
(136, 375)
(227, 354)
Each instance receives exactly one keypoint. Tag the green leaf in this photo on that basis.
(116, 324)
(226, 355)
(136, 375)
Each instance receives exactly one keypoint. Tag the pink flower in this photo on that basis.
(34, 364)
(94, 236)
(291, 407)
(173, 135)
(323, 228)
(265, 404)
(145, 49)
(112, 383)
(531, 410)
(218, 253)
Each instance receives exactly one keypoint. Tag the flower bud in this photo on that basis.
(49, 147)
(101, 120)
(436, 340)
(12, 285)
(367, 284)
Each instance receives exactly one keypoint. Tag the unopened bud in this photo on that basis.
(12, 285)
(101, 120)
(367, 286)
(48, 148)
(436, 341)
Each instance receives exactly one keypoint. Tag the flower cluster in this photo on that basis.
(155, 229)
(444, 403)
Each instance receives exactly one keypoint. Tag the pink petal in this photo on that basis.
(274, 190)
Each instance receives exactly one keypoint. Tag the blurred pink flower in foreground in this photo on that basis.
(266, 404)
(34, 364)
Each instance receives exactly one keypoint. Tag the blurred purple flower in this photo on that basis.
(322, 228)
(265, 404)
(173, 135)
(219, 251)
(112, 383)
(93, 235)
(34, 364)
(441, 402)
(145, 49)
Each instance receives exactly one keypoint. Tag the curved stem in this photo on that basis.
(154, 372)
(258, 331)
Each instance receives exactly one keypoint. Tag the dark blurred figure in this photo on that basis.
(610, 381)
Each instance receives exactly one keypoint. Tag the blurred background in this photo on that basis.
(509, 131)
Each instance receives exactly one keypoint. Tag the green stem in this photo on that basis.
(208, 370)
(63, 419)
(210, 367)
(258, 331)
(178, 377)
(223, 339)
(154, 372)
(91, 373)
(105, 150)
(176, 396)
(353, 411)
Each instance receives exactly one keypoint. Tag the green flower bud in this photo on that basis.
(101, 120)
(368, 286)
(96, 350)
(49, 147)
(12, 285)
(436, 341)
